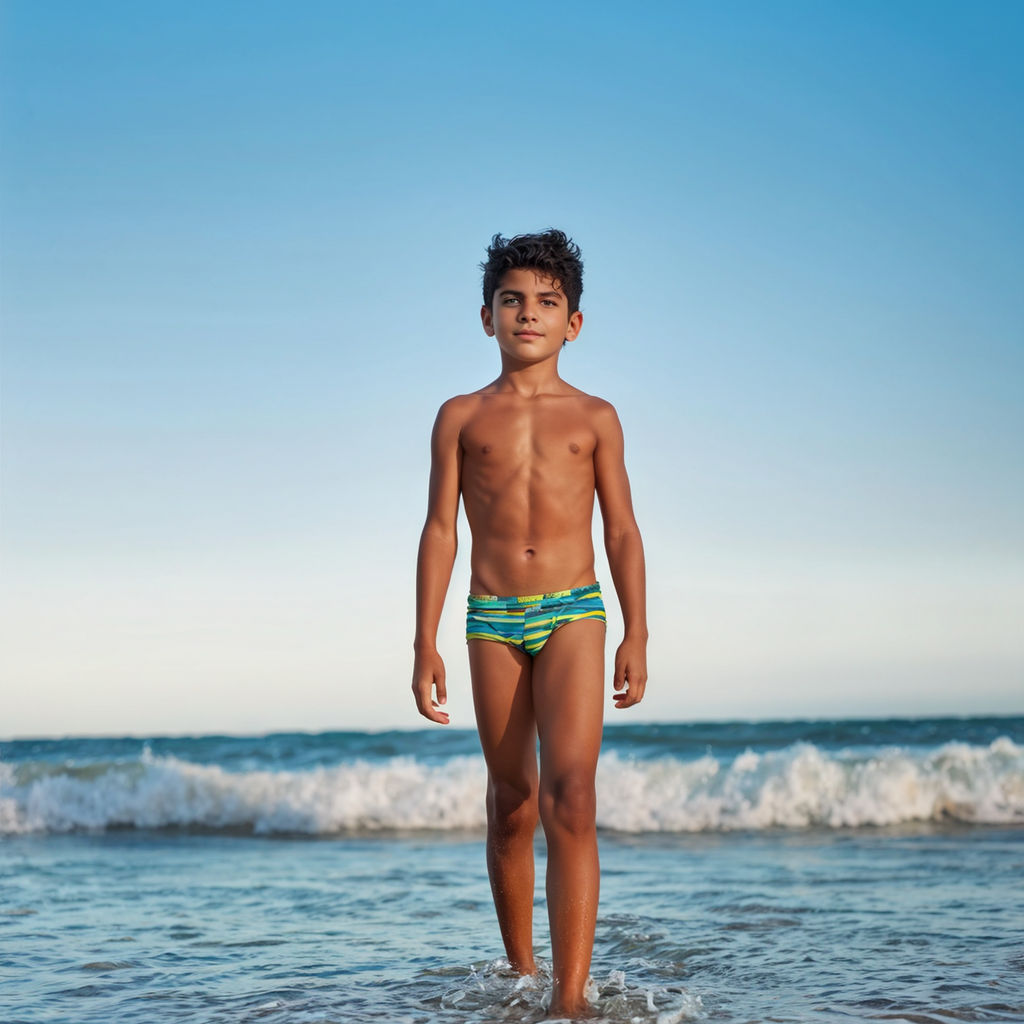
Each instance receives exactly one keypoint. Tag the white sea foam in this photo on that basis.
(802, 785)
(797, 786)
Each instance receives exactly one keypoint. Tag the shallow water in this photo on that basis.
(788, 871)
(923, 924)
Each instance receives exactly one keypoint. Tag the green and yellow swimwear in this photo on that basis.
(527, 622)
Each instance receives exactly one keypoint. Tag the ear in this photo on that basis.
(575, 326)
(487, 319)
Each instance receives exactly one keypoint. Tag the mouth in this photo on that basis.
(528, 334)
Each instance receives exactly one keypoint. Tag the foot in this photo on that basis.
(583, 1012)
(572, 1009)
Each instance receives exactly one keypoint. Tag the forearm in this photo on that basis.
(433, 574)
(625, 551)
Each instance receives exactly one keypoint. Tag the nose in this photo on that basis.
(526, 312)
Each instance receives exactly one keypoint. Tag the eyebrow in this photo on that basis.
(542, 295)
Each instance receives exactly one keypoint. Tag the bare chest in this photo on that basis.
(508, 440)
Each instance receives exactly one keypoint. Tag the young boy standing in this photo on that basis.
(527, 453)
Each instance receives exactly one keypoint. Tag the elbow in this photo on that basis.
(624, 545)
(618, 535)
(441, 533)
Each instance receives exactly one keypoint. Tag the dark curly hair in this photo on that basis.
(552, 252)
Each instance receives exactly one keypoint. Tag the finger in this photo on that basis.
(427, 707)
(431, 711)
(422, 704)
(619, 678)
(438, 714)
(634, 691)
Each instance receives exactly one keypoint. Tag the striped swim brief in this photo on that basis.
(527, 622)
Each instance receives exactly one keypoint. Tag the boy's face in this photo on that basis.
(530, 316)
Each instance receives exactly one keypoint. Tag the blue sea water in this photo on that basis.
(751, 871)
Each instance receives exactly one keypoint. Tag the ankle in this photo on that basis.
(566, 1004)
(523, 966)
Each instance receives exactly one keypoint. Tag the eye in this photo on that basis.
(509, 300)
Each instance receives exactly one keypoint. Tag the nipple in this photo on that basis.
(574, 448)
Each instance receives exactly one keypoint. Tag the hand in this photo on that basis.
(630, 672)
(428, 674)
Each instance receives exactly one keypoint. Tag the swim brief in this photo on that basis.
(527, 622)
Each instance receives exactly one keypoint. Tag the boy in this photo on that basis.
(527, 453)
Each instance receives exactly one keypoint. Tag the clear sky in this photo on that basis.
(239, 274)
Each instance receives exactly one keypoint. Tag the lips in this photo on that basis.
(528, 334)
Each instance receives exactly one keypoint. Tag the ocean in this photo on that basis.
(818, 871)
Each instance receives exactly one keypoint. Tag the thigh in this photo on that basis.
(568, 696)
(503, 702)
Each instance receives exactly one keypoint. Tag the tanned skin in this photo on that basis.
(527, 454)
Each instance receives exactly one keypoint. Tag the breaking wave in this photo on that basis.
(797, 786)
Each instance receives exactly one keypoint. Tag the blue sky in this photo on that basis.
(239, 274)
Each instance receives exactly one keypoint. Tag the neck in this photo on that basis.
(529, 378)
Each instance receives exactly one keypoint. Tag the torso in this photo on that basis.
(527, 482)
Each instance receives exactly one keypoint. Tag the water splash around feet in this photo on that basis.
(493, 991)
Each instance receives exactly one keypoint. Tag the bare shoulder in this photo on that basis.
(599, 412)
(459, 404)
(449, 424)
(457, 410)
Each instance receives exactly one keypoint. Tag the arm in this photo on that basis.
(625, 557)
(438, 544)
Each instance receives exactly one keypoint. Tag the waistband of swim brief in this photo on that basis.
(576, 592)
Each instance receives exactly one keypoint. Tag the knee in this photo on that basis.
(512, 806)
(569, 803)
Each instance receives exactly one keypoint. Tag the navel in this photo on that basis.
(530, 552)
